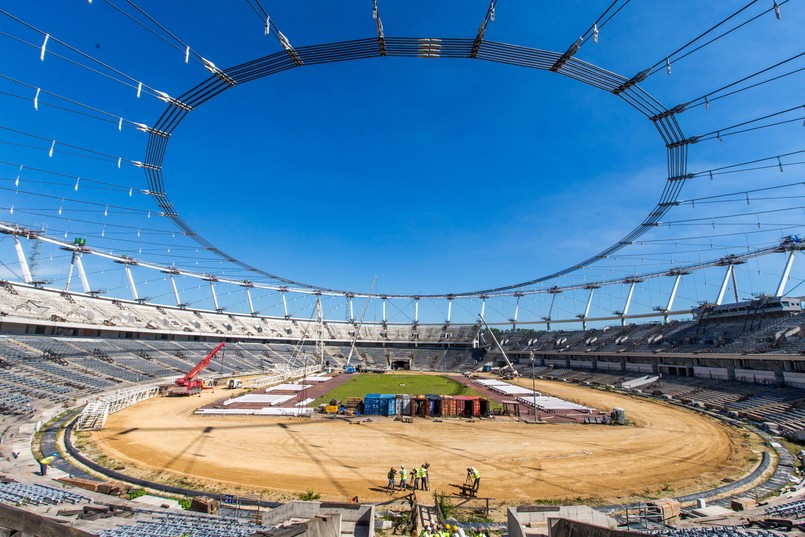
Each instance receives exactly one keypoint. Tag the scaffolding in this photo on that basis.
(93, 417)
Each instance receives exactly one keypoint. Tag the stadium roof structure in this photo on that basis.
(105, 168)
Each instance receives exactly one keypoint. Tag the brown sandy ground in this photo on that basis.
(667, 451)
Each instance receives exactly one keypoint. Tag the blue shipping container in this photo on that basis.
(371, 404)
(434, 404)
(388, 404)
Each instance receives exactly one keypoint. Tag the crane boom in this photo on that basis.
(201, 366)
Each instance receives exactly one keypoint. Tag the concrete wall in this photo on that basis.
(755, 375)
(717, 373)
(795, 380)
(31, 524)
(570, 528)
(640, 368)
(525, 519)
(328, 526)
(352, 516)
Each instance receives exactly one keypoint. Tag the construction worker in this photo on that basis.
(415, 473)
(476, 476)
(424, 480)
(392, 475)
(403, 478)
(44, 463)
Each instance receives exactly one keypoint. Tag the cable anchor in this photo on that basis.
(212, 68)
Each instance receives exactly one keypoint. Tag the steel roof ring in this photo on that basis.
(431, 48)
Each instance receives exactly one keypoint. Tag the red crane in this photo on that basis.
(189, 384)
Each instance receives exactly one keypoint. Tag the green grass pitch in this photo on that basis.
(397, 383)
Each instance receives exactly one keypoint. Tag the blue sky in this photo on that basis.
(435, 175)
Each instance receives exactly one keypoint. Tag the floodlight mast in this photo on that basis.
(500, 348)
(358, 326)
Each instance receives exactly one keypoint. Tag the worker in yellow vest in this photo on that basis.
(403, 478)
(476, 475)
(424, 481)
(44, 463)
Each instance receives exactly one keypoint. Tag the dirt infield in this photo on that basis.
(667, 451)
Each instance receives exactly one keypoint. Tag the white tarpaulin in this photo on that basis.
(288, 387)
(266, 399)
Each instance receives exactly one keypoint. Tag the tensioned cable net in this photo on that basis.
(590, 160)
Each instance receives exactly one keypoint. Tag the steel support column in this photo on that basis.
(214, 296)
(134, 295)
(82, 275)
(724, 283)
(175, 291)
(26, 272)
(554, 291)
(786, 273)
(673, 296)
(628, 302)
(70, 272)
(586, 314)
(516, 310)
(249, 299)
